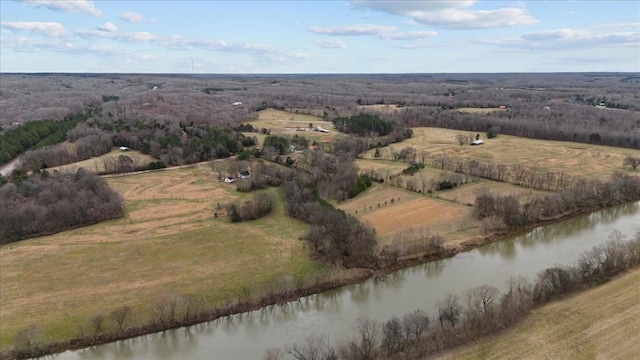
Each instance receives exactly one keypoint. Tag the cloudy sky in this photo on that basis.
(333, 36)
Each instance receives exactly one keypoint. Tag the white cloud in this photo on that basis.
(352, 30)
(560, 39)
(68, 6)
(49, 29)
(450, 14)
(331, 44)
(133, 17)
(130, 37)
(410, 35)
(108, 27)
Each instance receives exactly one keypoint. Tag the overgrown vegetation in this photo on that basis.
(335, 237)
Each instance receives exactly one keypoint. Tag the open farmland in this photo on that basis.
(601, 323)
(575, 159)
(97, 164)
(280, 122)
(390, 210)
(169, 242)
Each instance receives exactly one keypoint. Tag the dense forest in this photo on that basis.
(145, 111)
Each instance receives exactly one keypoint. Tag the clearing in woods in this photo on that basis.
(571, 158)
(280, 122)
(97, 164)
(600, 323)
(168, 242)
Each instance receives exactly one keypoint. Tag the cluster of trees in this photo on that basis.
(583, 195)
(363, 124)
(47, 203)
(336, 237)
(477, 312)
(259, 205)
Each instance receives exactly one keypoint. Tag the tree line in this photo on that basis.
(36, 134)
(585, 194)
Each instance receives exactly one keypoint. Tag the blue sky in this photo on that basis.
(358, 36)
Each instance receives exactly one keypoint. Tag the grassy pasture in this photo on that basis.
(601, 323)
(282, 122)
(573, 158)
(96, 164)
(169, 242)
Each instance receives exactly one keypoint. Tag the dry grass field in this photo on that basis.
(601, 323)
(96, 164)
(282, 122)
(391, 210)
(572, 158)
(169, 242)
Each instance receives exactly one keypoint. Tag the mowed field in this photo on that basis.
(572, 158)
(601, 323)
(96, 164)
(280, 122)
(169, 242)
(391, 210)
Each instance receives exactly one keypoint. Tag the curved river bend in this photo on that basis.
(333, 313)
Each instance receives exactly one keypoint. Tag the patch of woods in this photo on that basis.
(46, 203)
(259, 205)
(460, 319)
(335, 237)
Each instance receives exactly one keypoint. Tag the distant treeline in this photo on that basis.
(36, 134)
(47, 203)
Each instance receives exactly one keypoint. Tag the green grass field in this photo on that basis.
(169, 242)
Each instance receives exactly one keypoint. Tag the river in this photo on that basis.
(333, 313)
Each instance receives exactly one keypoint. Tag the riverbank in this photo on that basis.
(345, 277)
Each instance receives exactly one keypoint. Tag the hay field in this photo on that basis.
(169, 242)
(96, 164)
(391, 210)
(463, 194)
(601, 323)
(572, 158)
(282, 122)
